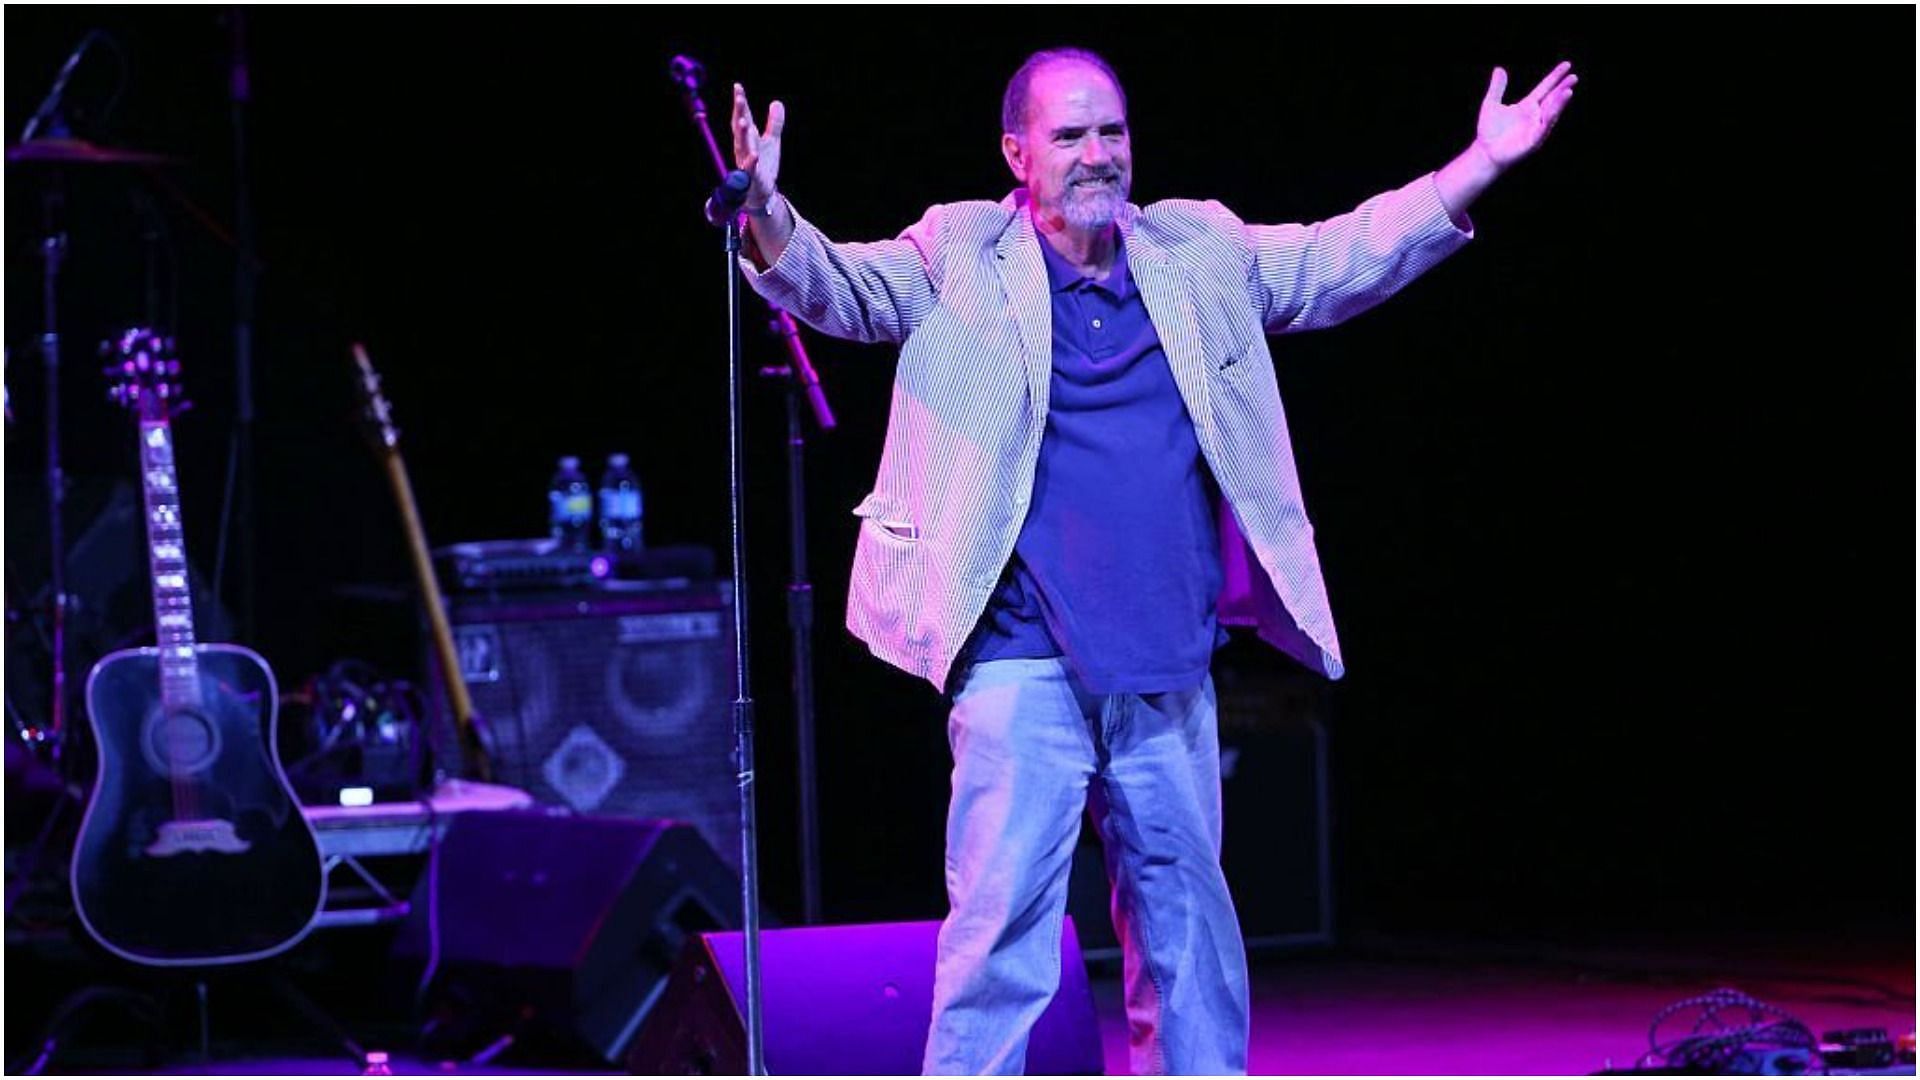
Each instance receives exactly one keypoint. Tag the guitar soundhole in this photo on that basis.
(181, 743)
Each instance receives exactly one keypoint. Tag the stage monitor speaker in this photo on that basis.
(839, 1000)
(1275, 847)
(611, 703)
(558, 929)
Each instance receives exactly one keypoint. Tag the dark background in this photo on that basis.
(1614, 506)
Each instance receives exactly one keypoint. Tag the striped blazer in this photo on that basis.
(964, 293)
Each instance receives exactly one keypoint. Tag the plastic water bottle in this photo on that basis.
(621, 508)
(570, 506)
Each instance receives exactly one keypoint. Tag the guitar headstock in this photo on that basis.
(145, 374)
(376, 414)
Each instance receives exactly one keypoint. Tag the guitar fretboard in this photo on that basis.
(167, 559)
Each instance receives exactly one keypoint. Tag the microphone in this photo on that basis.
(727, 199)
(686, 73)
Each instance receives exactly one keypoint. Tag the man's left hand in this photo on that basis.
(1510, 132)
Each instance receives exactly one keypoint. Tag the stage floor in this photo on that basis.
(1537, 1009)
(1402, 1008)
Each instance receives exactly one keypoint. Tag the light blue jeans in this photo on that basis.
(1032, 749)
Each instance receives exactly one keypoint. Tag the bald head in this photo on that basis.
(1015, 106)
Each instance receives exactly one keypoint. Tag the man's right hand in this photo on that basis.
(756, 151)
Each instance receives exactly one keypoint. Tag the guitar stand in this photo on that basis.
(206, 1026)
(144, 1008)
(303, 1004)
(149, 1009)
(318, 1017)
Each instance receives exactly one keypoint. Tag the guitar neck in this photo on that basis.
(167, 561)
(461, 700)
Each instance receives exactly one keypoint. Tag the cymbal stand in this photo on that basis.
(53, 249)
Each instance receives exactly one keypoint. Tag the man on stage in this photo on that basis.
(1085, 411)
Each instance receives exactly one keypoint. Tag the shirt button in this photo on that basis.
(1096, 324)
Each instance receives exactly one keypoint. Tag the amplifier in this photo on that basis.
(607, 702)
(492, 565)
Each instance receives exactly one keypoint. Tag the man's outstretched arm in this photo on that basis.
(1306, 277)
(864, 292)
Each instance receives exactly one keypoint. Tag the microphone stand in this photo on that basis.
(743, 699)
(800, 376)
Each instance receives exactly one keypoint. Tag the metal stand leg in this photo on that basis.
(200, 999)
(319, 1018)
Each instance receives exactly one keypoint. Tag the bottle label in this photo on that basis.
(619, 505)
(571, 507)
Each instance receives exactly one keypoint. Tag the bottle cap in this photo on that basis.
(617, 461)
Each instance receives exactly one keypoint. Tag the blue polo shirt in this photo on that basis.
(1118, 565)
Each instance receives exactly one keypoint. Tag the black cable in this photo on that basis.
(1759, 1026)
(351, 706)
(226, 512)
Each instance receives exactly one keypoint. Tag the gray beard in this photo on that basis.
(1093, 209)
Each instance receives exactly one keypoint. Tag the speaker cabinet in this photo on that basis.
(1275, 847)
(558, 929)
(608, 703)
(839, 1000)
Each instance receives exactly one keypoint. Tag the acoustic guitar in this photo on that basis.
(193, 849)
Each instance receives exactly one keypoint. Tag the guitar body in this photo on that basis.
(193, 849)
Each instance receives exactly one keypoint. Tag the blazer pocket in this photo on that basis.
(889, 518)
